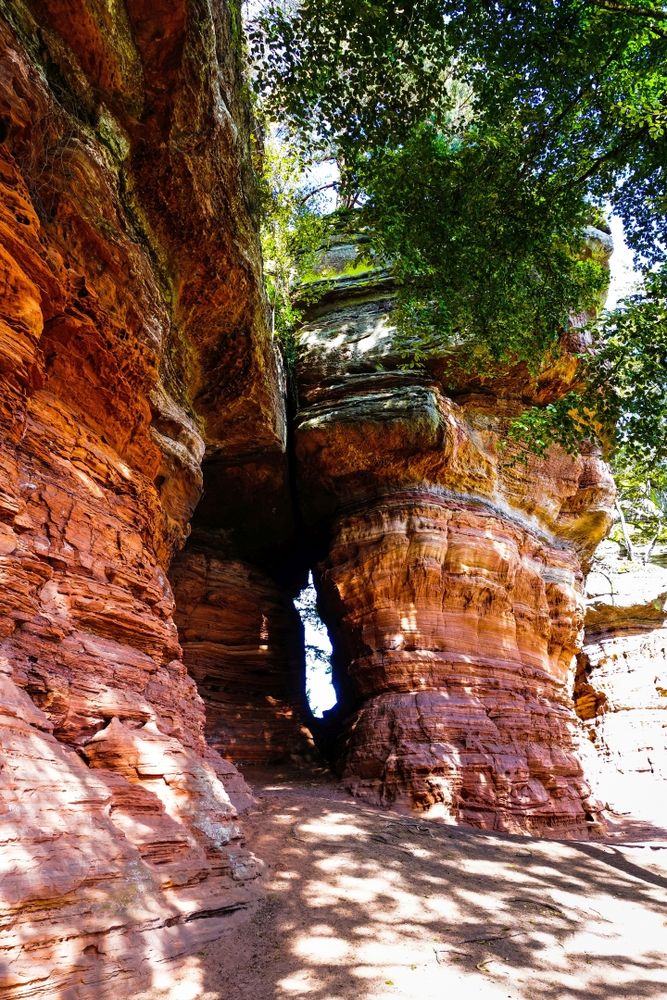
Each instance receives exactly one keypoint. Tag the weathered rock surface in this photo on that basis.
(243, 644)
(453, 578)
(621, 686)
(136, 370)
(132, 337)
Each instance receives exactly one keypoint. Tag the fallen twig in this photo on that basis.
(482, 939)
(540, 904)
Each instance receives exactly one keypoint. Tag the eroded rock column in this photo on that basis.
(460, 627)
(453, 580)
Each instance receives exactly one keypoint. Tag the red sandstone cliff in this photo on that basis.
(136, 372)
(132, 338)
(453, 577)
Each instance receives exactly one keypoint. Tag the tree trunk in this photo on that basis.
(624, 529)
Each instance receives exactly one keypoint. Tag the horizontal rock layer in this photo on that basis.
(621, 687)
(243, 644)
(452, 582)
(132, 337)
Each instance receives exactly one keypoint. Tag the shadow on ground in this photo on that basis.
(365, 904)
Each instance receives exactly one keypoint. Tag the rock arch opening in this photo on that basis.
(319, 689)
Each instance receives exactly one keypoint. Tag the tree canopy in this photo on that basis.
(480, 140)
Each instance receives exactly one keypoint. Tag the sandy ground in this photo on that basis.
(360, 903)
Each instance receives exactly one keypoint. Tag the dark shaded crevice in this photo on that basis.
(589, 703)
(248, 557)
(242, 643)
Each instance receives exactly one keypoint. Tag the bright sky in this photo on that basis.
(321, 694)
(623, 275)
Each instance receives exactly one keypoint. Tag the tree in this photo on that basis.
(492, 266)
(622, 397)
(292, 231)
(641, 504)
(581, 85)
(482, 137)
(317, 648)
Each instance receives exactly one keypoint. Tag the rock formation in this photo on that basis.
(452, 582)
(243, 644)
(133, 337)
(139, 381)
(621, 685)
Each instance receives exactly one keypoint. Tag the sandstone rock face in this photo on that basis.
(132, 338)
(453, 578)
(621, 688)
(136, 369)
(243, 644)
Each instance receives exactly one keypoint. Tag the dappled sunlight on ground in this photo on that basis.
(365, 904)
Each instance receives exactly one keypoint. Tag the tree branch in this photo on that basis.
(617, 7)
(323, 187)
(624, 530)
(609, 155)
(584, 91)
(646, 13)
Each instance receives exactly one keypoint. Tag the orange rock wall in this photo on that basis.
(132, 337)
(453, 578)
(242, 642)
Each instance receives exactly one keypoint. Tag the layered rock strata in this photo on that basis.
(132, 338)
(242, 642)
(453, 578)
(621, 687)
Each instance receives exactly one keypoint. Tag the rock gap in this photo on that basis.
(320, 691)
(138, 369)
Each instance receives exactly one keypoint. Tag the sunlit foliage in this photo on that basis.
(480, 139)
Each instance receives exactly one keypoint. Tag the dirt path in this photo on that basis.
(360, 903)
